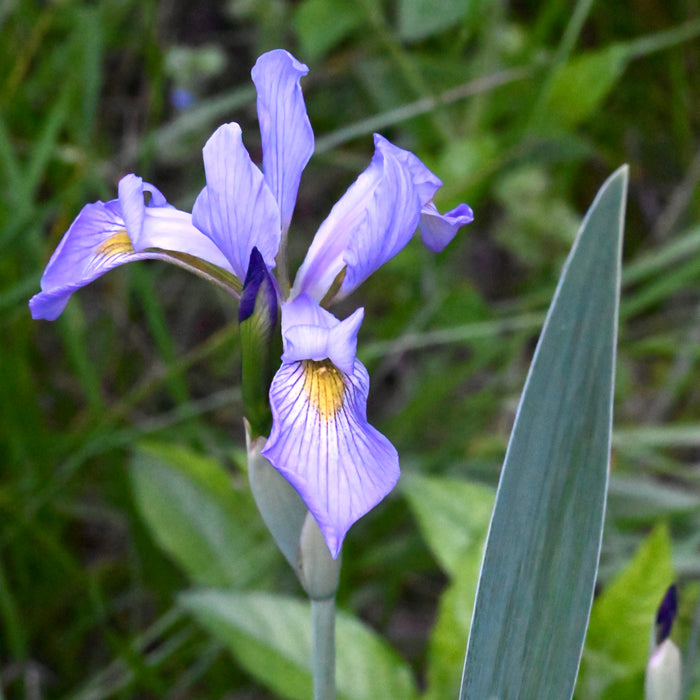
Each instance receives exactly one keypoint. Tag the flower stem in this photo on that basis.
(206, 270)
(323, 648)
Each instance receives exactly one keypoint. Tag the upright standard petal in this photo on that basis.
(320, 439)
(287, 136)
(106, 235)
(236, 209)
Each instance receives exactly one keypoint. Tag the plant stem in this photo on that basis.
(323, 648)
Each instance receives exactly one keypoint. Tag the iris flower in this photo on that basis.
(321, 440)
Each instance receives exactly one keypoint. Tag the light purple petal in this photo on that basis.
(236, 209)
(287, 137)
(171, 229)
(106, 235)
(133, 207)
(309, 332)
(95, 243)
(323, 445)
(374, 220)
(425, 181)
(370, 224)
(437, 229)
(159, 225)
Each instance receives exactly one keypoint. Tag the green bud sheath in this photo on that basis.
(663, 678)
(318, 572)
(279, 504)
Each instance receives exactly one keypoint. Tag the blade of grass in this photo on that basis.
(567, 43)
(15, 637)
(424, 105)
(144, 285)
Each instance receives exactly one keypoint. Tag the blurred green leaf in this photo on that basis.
(537, 221)
(419, 19)
(449, 634)
(578, 87)
(322, 24)
(197, 515)
(541, 559)
(640, 499)
(451, 530)
(271, 637)
(621, 622)
(456, 536)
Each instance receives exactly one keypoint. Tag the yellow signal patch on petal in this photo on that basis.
(324, 386)
(118, 244)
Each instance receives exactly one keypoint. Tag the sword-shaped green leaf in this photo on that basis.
(539, 568)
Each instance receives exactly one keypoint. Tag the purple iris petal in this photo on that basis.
(236, 208)
(437, 229)
(287, 137)
(160, 225)
(131, 190)
(370, 224)
(374, 220)
(312, 333)
(95, 243)
(106, 235)
(424, 180)
(323, 445)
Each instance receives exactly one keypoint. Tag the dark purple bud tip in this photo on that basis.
(666, 614)
(258, 285)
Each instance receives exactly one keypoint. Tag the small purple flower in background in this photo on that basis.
(182, 99)
(320, 440)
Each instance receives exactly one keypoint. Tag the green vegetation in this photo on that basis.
(122, 465)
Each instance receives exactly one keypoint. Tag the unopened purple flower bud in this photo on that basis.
(663, 678)
(257, 315)
(666, 614)
(259, 292)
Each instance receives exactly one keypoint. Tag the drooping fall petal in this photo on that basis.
(368, 225)
(323, 445)
(105, 235)
(437, 229)
(320, 439)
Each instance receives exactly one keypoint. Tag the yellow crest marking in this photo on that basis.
(118, 244)
(324, 386)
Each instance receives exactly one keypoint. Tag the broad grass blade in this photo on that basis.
(211, 530)
(270, 636)
(539, 569)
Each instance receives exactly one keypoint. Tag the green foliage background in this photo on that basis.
(522, 110)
